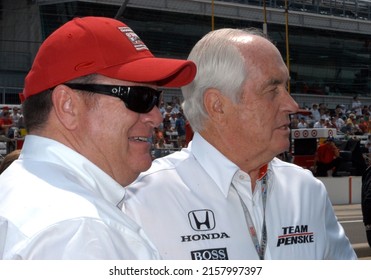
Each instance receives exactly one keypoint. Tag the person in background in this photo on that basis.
(162, 107)
(323, 110)
(333, 123)
(167, 111)
(5, 123)
(227, 196)
(365, 111)
(328, 123)
(357, 106)
(294, 121)
(302, 123)
(356, 130)
(4, 109)
(181, 130)
(363, 125)
(327, 158)
(320, 123)
(90, 107)
(15, 116)
(172, 119)
(315, 113)
(340, 123)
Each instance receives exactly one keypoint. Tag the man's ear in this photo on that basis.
(214, 103)
(65, 104)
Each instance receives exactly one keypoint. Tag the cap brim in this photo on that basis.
(163, 72)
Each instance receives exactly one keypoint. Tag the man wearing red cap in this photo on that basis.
(90, 105)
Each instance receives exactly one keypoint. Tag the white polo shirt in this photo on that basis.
(187, 207)
(55, 204)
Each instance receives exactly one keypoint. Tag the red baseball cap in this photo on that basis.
(99, 45)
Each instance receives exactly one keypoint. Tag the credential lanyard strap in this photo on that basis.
(259, 246)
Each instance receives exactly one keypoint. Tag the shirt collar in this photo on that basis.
(96, 180)
(216, 165)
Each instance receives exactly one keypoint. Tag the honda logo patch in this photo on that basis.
(202, 220)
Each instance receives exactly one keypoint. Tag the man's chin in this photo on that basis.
(146, 162)
(283, 149)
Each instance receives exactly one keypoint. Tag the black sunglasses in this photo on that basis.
(136, 98)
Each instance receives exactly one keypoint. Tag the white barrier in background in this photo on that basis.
(343, 190)
(305, 133)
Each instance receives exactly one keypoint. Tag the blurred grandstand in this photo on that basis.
(326, 43)
(329, 53)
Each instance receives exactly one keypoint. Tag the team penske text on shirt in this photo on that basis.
(295, 235)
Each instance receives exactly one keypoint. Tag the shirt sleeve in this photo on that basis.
(81, 239)
(338, 245)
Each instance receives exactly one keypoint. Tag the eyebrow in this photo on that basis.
(274, 82)
(271, 82)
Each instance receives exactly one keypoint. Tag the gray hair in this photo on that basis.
(220, 65)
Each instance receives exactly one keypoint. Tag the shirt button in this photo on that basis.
(241, 177)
